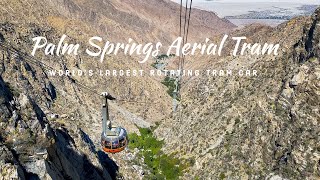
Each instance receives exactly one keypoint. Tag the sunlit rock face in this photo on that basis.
(258, 127)
(50, 127)
(255, 128)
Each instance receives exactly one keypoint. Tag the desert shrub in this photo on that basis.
(161, 165)
(170, 83)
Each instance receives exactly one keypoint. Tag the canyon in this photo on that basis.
(259, 127)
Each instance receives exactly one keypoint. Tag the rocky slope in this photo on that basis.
(34, 144)
(50, 126)
(264, 127)
(235, 128)
(116, 21)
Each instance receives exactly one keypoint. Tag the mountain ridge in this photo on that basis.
(50, 127)
(263, 127)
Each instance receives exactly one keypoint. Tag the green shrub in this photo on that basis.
(222, 176)
(146, 141)
(161, 165)
(170, 83)
(164, 56)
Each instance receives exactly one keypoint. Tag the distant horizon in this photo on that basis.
(238, 7)
(256, 1)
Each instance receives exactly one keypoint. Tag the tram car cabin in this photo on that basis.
(113, 139)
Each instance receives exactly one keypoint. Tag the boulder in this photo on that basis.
(298, 79)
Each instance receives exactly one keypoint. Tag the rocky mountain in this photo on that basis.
(34, 143)
(235, 128)
(50, 126)
(263, 127)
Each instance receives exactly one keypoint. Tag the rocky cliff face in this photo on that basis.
(50, 127)
(237, 128)
(264, 127)
(33, 144)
